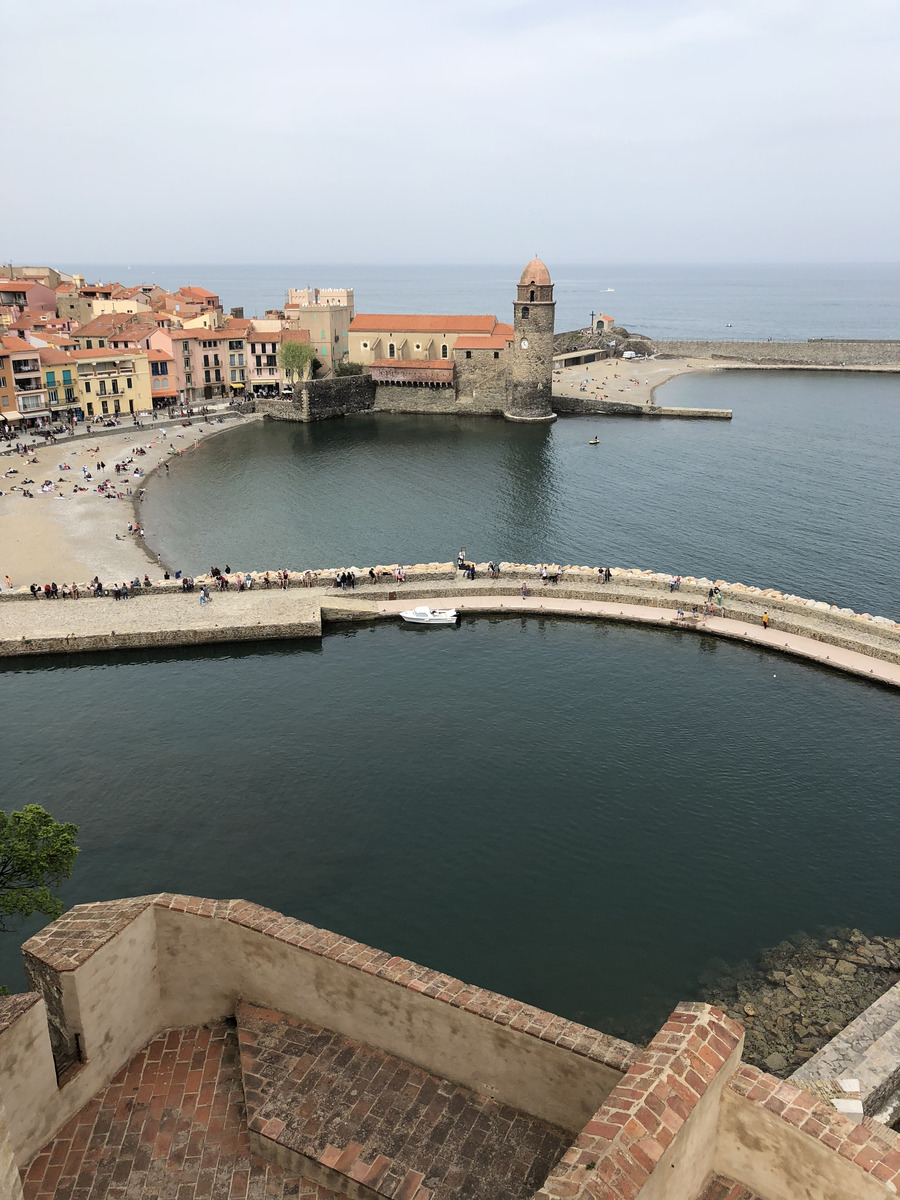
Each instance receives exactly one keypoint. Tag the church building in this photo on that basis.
(465, 364)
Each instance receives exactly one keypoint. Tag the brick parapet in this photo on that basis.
(873, 1147)
(13, 1007)
(67, 943)
(618, 1150)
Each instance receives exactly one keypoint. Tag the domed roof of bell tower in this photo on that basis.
(535, 273)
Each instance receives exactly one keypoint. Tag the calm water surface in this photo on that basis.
(801, 491)
(578, 815)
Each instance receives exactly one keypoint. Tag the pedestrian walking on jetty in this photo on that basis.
(765, 620)
(524, 591)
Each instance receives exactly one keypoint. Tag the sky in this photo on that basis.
(405, 131)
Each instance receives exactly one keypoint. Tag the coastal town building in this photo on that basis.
(60, 382)
(326, 315)
(25, 396)
(82, 302)
(112, 382)
(21, 296)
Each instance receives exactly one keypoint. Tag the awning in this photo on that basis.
(12, 415)
(237, 385)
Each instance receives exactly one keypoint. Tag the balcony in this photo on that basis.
(31, 367)
(34, 403)
(28, 385)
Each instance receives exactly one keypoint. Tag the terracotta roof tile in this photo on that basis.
(421, 323)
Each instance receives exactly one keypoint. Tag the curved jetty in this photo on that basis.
(165, 615)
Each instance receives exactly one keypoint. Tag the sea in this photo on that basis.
(591, 818)
(739, 301)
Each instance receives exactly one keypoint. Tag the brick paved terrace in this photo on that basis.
(170, 1126)
(391, 1126)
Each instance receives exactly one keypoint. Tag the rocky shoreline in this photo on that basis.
(802, 993)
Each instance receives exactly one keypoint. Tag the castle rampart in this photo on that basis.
(681, 1119)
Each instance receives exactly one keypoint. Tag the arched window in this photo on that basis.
(443, 351)
(524, 312)
(531, 297)
(391, 350)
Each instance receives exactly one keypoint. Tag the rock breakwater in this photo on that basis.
(802, 993)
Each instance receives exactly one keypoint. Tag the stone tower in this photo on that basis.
(531, 372)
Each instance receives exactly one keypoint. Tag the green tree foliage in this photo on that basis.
(348, 368)
(296, 358)
(36, 854)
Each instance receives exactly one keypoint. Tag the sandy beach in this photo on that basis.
(631, 381)
(66, 536)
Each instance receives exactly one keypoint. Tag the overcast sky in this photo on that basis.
(461, 131)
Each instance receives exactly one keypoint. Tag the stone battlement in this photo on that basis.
(347, 1056)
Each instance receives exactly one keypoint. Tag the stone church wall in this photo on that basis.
(482, 382)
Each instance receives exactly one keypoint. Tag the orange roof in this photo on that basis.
(482, 343)
(406, 364)
(419, 323)
(105, 323)
(199, 292)
(17, 345)
(157, 355)
(503, 330)
(106, 352)
(206, 335)
(50, 356)
(66, 287)
(535, 273)
(295, 335)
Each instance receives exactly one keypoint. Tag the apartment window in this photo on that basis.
(216, 362)
(259, 360)
(271, 371)
(67, 376)
(105, 407)
(51, 378)
(271, 360)
(188, 379)
(235, 345)
(185, 346)
(206, 360)
(90, 344)
(234, 376)
(128, 381)
(87, 385)
(102, 387)
(101, 342)
(2, 381)
(206, 377)
(70, 393)
(241, 375)
(240, 360)
(90, 409)
(116, 408)
(115, 387)
(231, 362)
(187, 364)
(53, 395)
(218, 376)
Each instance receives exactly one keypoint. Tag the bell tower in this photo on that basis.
(531, 374)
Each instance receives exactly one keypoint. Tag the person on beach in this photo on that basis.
(8, 582)
(765, 620)
(524, 591)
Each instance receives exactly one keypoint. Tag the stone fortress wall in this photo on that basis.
(817, 352)
(665, 1122)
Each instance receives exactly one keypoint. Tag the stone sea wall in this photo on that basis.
(323, 399)
(42, 628)
(823, 353)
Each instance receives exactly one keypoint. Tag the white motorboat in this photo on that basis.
(430, 616)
